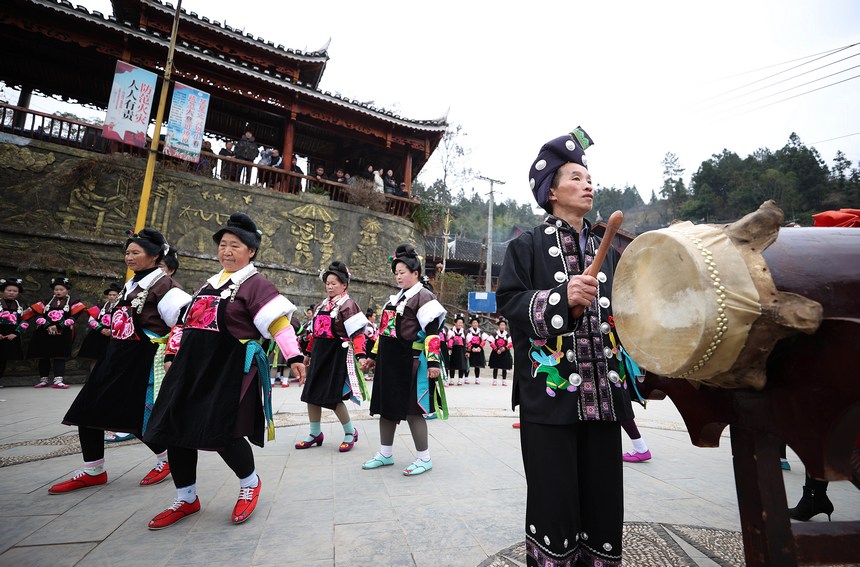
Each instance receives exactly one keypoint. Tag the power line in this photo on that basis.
(836, 138)
(792, 78)
(741, 74)
(797, 86)
(781, 72)
(797, 95)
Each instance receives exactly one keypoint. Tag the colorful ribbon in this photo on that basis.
(254, 354)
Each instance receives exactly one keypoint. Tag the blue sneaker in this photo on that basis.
(377, 461)
(418, 467)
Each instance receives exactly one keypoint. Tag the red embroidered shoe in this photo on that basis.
(79, 480)
(246, 503)
(178, 511)
(159, 473)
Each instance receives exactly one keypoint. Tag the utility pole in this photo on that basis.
(490, 231)
(156, 135)
(445, 252)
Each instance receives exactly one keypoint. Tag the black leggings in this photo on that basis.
(630, 428)
(93, 444)
(496, 373)
(45, 367)
(477, 372)
(2, 367)
(183, 461)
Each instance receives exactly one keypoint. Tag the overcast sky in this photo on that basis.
(642, 78)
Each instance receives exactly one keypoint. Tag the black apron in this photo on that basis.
(395, 379)
(458, 353)
(476, 351)
(10, 350)
(327, 374)
(201, 404)
(503, 361)
(43, 345)
(95, 343)
(114, 396)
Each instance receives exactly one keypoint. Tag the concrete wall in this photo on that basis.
(65, 211)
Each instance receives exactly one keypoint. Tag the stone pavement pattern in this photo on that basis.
(319, 508)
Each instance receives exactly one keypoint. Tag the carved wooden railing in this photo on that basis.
(37, 125)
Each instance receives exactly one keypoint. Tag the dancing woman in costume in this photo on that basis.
(407, 363)
(336, 347)
(115, 393)
(11, 323)
(54, 333)
(217, 390)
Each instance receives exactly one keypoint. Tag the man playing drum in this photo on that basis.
(568, 382)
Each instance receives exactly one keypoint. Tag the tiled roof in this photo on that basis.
(463, 250)
(234, 65)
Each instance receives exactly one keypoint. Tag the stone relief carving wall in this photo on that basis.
(66, 211)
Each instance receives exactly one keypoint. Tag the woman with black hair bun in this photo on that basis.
(500, 355)
(170, 262)
(457, 346)
(114, 396)
(97, 339)
(406, 384)
(54, 333)
(371, 335)
(476, 339)
(11, 323)
(337, 345)
(216, 395)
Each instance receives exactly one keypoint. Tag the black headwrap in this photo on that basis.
(339, 270)
(406, 253)
(152, 242)
(554, 154)
(65, 282)
(113, 286)
(244, 228)
(17, 282)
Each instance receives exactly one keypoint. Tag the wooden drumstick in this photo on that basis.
(612, 226)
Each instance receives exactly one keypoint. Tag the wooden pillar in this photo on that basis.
(407, 173)
(19, 119)
(289, 141)
(768, 541)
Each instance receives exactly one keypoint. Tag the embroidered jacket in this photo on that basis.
(566, 369)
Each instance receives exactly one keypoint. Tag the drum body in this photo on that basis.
(684, 301)
(709, 302)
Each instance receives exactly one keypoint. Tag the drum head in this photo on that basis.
(683, 301)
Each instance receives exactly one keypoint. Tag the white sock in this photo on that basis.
(250, 481)
(187, 494)
(162, 457)
(94, 468)
(386, 450)
(639, 445)
(423, 455)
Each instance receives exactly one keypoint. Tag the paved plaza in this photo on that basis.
(319, 508)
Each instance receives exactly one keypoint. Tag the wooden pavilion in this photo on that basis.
(67, 51)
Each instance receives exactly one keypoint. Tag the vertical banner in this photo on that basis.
(127, 118)
(187, 120)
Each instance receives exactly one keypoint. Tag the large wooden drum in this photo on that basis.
(699, 301)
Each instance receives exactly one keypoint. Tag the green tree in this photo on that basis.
(673, 190)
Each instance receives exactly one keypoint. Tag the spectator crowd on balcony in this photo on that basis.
(259, 159)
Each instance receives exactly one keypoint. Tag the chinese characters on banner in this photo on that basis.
(131, 96)
(187, 120)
